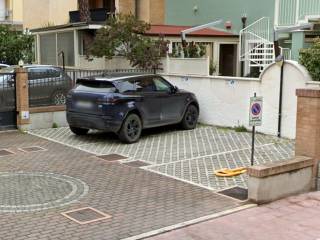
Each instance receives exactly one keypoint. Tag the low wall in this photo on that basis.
(46, 117)
(224, 101)
(274, 181)
(104, 64)
(198, 66)
(195, 66)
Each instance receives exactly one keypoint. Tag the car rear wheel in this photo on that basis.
(190, 118)
(131, 129)
(59, 98)
(79, 131)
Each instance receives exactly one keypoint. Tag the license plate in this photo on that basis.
(83, 104)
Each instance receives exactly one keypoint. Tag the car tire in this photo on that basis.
(131, 129)
(59, 98)
(79, 131)
(190, 118)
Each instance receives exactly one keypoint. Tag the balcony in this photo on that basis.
(291, 12)
(97, 15)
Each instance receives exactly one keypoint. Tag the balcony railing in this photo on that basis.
(97, 15)
(290, 12)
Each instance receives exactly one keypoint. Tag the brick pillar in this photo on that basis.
(22, 98)
(308, 126)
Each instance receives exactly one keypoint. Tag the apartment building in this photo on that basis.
(38, 14)
(67, 34)
(11, 13)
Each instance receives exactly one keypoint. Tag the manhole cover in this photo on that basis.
(112, 157)
(25, 192)
(4, 152)
(86, 215)
(236, 192)
(136, 164)
(32, 149)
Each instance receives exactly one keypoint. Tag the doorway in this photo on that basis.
(228, 60)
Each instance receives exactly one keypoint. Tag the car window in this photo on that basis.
(54, 72)
(145, 85)
(36, 73)
(161, 85)
(126, 86)
(40, 73)
(95, 86)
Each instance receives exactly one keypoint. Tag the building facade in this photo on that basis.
(254, 21)
(38, 14)
(11, 13)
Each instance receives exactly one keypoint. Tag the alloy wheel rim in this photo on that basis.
(133, 129)
(60, 99)
(191, 117)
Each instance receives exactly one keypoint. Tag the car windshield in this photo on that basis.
(7, 70)
(95, 86)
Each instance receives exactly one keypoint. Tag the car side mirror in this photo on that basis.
(174, 89)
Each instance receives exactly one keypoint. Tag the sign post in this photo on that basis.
(255, 119)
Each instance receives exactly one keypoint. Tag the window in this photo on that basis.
(48, 49)
(127, 86)
(52, 44)
(161, 85)
(145, 85)
(95, 86)
(66, 44)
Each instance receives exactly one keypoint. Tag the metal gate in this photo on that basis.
(8, 113)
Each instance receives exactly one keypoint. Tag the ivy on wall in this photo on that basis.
(310, 58)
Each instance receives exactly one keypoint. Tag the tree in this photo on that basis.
(84, 10)
(147, 53)
(15, 46)
(124, 36)
(310, 58)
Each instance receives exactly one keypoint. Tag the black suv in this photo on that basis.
(127, 104)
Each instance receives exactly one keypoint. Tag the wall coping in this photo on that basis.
(47, 109)
(311, 93)
(212, 77)
(271, 169)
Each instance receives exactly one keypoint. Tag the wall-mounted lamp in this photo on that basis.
(228, 25)
(21, 63)
(195, 8)
(244, 19)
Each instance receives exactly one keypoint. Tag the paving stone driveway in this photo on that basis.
(190, 156)
(139, 201)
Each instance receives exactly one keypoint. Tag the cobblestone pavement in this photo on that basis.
(139, 201)
(190, 156)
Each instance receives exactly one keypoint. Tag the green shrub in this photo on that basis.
(55, 125)
(310, 58)
(240, 129)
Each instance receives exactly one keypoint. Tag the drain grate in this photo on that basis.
(236, 192)
(136, 164)
(4, 153)
(112, 157)
(32, 149)
(86, 215)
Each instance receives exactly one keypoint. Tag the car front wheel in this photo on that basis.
(131, 129)
(190, 118)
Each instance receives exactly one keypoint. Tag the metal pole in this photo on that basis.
(253, 140)
(280, 101)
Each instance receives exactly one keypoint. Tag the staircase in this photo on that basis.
(256, 46)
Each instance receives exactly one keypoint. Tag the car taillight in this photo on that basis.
(108, 100)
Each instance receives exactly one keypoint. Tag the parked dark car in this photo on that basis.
(47, 84)
(128, 104)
